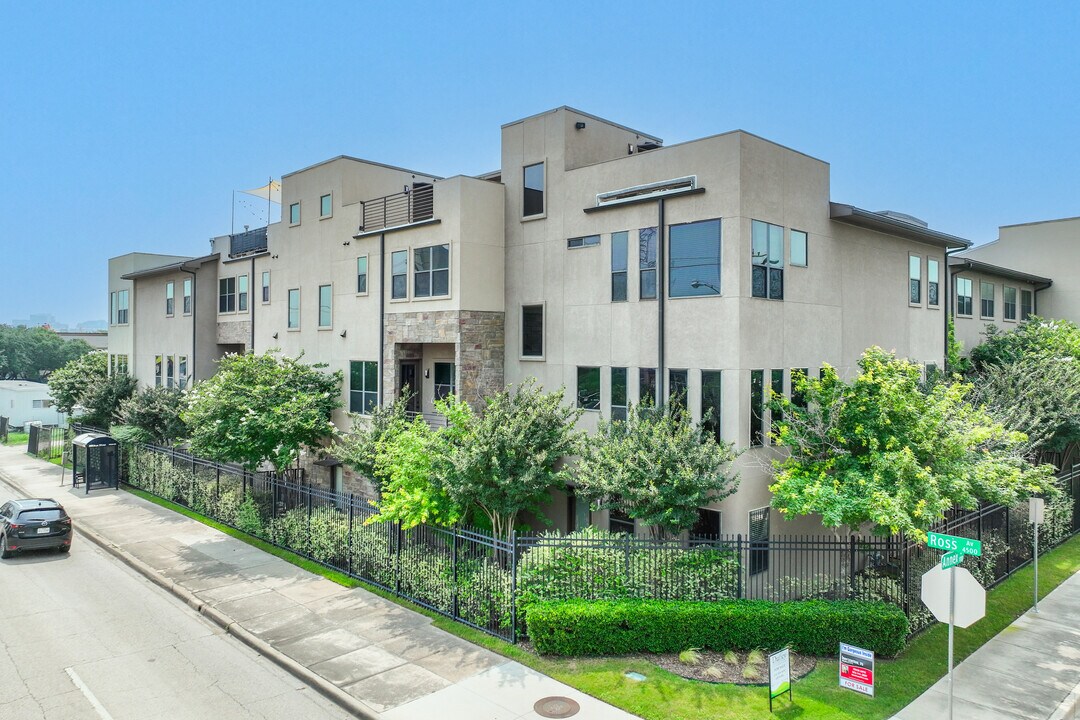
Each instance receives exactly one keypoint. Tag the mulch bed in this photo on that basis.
(722, 672)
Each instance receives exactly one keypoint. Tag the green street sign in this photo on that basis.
(951, 559)
(949, 543)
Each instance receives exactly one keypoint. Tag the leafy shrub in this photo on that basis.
(248, 518)
(578, 627)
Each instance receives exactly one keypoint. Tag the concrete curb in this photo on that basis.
(326, 688)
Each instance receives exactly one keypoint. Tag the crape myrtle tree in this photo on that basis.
(85, 382)
(1029, 380)
(882, 449)
(261, 408)
(657, 466)
(153, 415)
(359, 446)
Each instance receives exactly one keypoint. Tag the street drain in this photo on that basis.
(635, 676)
(556, 707)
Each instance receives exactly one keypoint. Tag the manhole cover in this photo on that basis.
(556, 707)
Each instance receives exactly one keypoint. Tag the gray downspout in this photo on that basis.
(251, 301)
(194, 324)
(660, 274)
(382, 313)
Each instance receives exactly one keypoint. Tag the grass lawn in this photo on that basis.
(18, 438)
(664, 696)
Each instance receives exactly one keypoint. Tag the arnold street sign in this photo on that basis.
(951, 559)
(950, 543)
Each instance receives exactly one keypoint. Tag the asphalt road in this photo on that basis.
(83, 636)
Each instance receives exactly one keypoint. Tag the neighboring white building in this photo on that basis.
(23, 401)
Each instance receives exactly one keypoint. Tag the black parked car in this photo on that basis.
(38, 524)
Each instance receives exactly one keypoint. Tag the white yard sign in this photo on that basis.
(779, 675)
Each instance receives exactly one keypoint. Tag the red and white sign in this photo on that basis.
(857, 669)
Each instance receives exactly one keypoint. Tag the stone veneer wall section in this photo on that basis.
(478, 338)
(234, 333)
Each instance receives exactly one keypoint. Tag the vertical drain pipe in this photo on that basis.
(382, 313)
(661, 266)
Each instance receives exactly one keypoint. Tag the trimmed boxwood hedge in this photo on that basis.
(618, 627)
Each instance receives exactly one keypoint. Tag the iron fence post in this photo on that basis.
(513, 586)
(1008, 543)
(397, 558)
(739, 564)
(453, 569)
(906, 566)
(348, 536)
(626, 560)
(851, 569)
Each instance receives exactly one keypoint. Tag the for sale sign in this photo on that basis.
(857, 669)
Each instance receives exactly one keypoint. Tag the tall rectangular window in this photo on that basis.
(266, 286)
(363, 386)
(677, 383)
(182, 378)
(399, 274)
(122, 364)
(532, 331)
(915, 279)
(187, 296)
(963, 296)
(932, 282)
(294, 214)
(1026, 307)
(170, 370)
(157, 371)
(227, 295)
(647, 386)
(242, 293)
(294, 308)
(798, 392)
(618, 393)
(798, 248)
(618, 266)
(113, 307)
(588, 388)
(647, 263)
(170, 298)
(757, 408)
(361, 274)
(431, 271)
(445, 380)
(326, 206)
(986, 299)
(767, 260)
(112, 364)
(1008, 302)
(533, 201)
(694, 263)
(122, 307)
(326, 299)
(759, 540)
(711, 396)
(777, 387)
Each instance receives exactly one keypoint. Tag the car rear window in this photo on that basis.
(39, 515)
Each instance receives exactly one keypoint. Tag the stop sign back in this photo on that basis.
(970, 601)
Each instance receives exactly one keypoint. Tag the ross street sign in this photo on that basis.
(951, 559)
(857, 669)
(962, 545)
(970, 595)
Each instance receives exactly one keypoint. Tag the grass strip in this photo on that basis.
(665, 696)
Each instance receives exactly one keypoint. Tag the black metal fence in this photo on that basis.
(5, 425)
(46, 441)
(482, 581)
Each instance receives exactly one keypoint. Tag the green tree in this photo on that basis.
(154, 416)
(261, 408)
(955, 362)
(883, 450)
(657, 466)
(505, 459)
(358, 448)
(104, 398)
(70, 385)
(413, 492)
(32, 353)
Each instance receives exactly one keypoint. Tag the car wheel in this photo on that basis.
(64, 549)
(4, 552)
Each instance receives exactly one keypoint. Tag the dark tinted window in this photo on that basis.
(618, 266)
(39, 515)
(534, 190)
(677, 381)
(532, 331)
(695, 259)
(647, 385)
(757, 402)
(588, 388)
(707, 526)
(647, 262)
(710, 401)
(618, 393)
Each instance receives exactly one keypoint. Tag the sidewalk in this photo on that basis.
(372, 656)
(1031, 669)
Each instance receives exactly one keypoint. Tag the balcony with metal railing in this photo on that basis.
(416, 204)
(247, 242)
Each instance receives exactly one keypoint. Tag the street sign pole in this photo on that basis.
(952, 616)
(1036, 510)
(1036, 534)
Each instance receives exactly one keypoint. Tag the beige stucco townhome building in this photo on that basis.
(595, 258)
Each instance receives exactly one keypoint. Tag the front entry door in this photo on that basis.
(407, 378)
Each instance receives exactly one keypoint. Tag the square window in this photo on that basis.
(694, 264)
(707, 526)
(431, 271)
(326, 206)
(445, 379)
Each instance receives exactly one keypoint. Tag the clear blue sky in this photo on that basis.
(127, 125)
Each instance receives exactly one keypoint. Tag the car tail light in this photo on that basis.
(15, 526)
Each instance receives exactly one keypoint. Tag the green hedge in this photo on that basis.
(578, 627)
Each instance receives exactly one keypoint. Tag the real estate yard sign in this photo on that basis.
(857, 669)
(779, 675)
